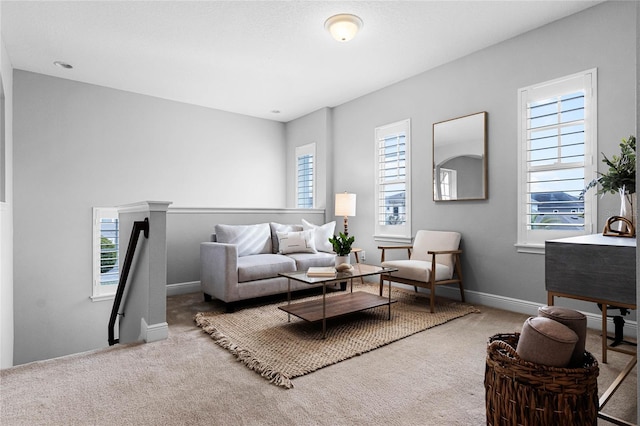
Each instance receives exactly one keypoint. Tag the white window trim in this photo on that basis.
(394, 233)
(525, 243)
(452, 178)
(309, 149)
(100, 292)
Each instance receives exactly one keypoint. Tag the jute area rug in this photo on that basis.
(262, 338)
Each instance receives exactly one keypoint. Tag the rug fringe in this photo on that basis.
(242, 355)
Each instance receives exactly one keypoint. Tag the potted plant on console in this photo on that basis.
(620, 178)
(342, 246)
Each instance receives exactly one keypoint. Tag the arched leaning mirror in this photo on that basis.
(460, 158)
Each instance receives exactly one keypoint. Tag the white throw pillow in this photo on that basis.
(251, 239)
(279, 227)
(296, 242)
(322, 234)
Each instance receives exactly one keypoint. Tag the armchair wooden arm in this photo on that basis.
(383, 248)
(456, 256)
(444, 252)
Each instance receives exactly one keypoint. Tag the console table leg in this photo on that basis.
(604, 333)
(288, 298)
(389, 298)
(324, 310)
(611, 390)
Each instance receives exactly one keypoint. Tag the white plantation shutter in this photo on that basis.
(393, 182)
(305, 176)
(557, 142)
(106, 249)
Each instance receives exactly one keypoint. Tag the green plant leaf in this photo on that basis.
(342, 244)
(621, 173)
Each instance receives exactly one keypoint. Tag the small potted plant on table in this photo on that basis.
(342, 246)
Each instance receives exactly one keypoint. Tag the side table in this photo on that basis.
(355, 252)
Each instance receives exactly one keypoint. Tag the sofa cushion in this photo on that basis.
(279, 227)
(322, 234)
(261, 266)
(296, 242)
(306, 260)
(251, 239)
(435, 240)
(418, 270)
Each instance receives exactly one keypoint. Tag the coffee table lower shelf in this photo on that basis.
(336, 306)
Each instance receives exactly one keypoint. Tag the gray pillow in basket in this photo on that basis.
(576, 321)
(547, 342)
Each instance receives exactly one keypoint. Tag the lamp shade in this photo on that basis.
(343, 27)
(345, 204)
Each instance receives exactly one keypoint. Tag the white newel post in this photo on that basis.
(144, 303)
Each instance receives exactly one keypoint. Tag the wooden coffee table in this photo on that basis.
(338, 305)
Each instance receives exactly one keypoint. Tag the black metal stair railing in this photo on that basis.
(139, 226)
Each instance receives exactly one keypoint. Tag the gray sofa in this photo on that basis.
(243, 261)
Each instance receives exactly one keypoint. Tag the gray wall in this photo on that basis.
(188, 227)
(6, 220)
(312, 128)
(190, 155)
(78, 146)
(603, 37)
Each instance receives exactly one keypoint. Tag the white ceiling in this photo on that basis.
(254, 57)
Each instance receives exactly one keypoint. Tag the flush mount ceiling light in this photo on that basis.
(343, 27)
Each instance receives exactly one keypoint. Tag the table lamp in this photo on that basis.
(345, 206)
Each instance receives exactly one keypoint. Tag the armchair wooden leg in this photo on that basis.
(381, 284)
(459, 273)
(415, 287)
(432, 297)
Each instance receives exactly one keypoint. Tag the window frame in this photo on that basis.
(393, 233)
(102, 292)
(532, 240)
(449, 180)
(300, 151)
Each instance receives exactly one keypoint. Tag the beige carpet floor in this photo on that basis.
(265, 341)
(430, 378)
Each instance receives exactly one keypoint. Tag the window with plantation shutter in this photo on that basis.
(393, 182)
(557, 142)
(106, 248)
(305, 176)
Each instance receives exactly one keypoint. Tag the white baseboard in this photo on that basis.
(153, 332)
(530, 308)
(183, 288)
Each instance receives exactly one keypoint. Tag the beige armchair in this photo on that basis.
(434, 259)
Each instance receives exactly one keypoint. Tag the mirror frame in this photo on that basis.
(484, 171)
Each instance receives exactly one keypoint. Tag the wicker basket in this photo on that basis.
(519, 392)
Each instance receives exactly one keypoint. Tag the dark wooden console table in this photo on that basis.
(598, 269)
